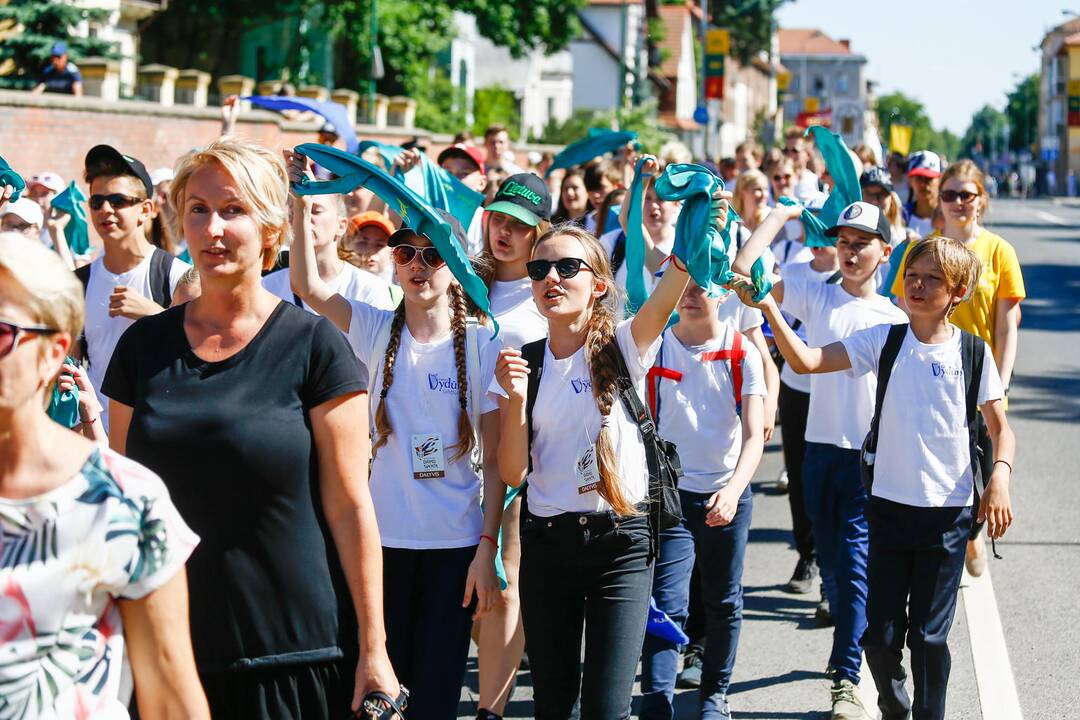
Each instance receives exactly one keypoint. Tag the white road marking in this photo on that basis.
(1049, 217)
(993, 673)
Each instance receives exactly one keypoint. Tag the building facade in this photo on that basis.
(1059, 101)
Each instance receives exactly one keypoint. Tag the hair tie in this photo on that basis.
(605, 422)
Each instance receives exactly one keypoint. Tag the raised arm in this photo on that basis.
(512, 372)
(763, 237)
(654, 258)
(303, 268)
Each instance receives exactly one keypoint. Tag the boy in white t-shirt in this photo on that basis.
(921, 509)
(121, 285)
(837, 422)
(707, 391)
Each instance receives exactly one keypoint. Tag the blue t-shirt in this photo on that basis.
(61, 81)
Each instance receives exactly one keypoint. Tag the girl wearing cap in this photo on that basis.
(365, 245)
(924, 175)
(438, 545)
(518, 215)
(253, 412)
(94, 549)
(586, 542)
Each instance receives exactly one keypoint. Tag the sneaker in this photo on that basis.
(782, 482)
(715, 707)
(802, 580)
(846, 703)
(822, 613)
(975, 557)
(690, 677)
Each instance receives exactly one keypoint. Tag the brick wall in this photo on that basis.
(53, 132)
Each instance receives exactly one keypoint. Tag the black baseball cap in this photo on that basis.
(876, 176)
(403, 234)
(107, 154)
(523, 196)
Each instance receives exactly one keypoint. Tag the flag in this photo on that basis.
(900, 139)
(76, 231)
(598, 142)
(334, 113)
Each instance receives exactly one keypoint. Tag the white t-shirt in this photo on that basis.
(520, 321)
(566, 423)
(806, 273)
(426, 511)
(923, 227)
(788, 248)
(742, 317)
(698, 411)
(807, 187)
(102, 331)
(351, 283)
(923, 458)
(841, 406)
(608, 241)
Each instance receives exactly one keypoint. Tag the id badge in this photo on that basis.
(587, 471)
(427, 456)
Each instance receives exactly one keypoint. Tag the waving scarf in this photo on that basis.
(71, 201)
(8, 176)
(416, 214)
(597, 143)
(332, 112)
(636, 293)
(846, 189)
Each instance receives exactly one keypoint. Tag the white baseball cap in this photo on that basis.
(162, 174)
(48, 179)
(862, 216)
(26, 209)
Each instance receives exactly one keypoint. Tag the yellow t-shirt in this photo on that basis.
(1000, 279)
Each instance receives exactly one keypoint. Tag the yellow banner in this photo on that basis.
(717, 42)
(900, 138)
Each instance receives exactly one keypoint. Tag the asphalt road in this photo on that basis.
(782, 654)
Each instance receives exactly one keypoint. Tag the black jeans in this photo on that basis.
(915, 564)
(427, 629)
(591, 571)
(794, 407)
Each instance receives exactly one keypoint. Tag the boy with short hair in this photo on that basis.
(132, 278)
(924, 483)
(840, 410)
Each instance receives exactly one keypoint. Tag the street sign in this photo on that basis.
(701, 115)
(717, 42)
(811, 104)
(714, 88)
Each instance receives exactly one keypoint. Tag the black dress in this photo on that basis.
(272, 621)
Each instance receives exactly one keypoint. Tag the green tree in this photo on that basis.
(750, 23)
(986, 132)
(496, 105)
(640, 119)
(904, 110)
(1023, 112)
(42, 23)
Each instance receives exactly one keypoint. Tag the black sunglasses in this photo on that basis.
(567, 267)
(117, 201)
(963, 196)
(10, 334)
(404, 254)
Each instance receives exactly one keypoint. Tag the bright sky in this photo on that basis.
(952, 55)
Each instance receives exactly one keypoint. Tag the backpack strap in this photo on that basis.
(735, 355)
(618, 253)
(657, 373)
(973, 355)
(160, 268)
(886, 360)
(83, 273)
(533, 354)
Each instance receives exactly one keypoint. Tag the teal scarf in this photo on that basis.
(846, 189)
(71, 201)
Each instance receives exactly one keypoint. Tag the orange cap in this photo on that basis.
(370, 217)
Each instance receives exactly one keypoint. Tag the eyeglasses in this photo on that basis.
(566, 267)
(792, 151)
(11, 334)
(404, 254)
(117, 201)
(781, 178)
(963, 196)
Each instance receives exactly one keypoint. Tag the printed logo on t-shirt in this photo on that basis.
(442, 384)
(581, 385)
(942, 371)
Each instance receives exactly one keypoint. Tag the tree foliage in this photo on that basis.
(986, 133)
(901, 109)
(1022, 110)
(640, 119)
(750, 23)
(44, 22)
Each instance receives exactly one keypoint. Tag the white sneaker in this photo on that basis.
(782, 482)
(975, 557)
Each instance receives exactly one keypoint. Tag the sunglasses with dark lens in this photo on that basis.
(11, 334)
(566, 267)
(117, 201)
(963, 196)
(781, 178)
(404, 254)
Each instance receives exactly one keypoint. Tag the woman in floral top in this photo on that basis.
(92, 550)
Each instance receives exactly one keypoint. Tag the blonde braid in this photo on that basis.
(466, 439)
(382, 415)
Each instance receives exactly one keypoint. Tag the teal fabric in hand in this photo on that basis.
(72, 201)
(8, 176)
(64, 406)
(636, 294)
(597, 143)
(846, 189)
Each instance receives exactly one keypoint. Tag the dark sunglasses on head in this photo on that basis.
(404, 254)
(963, 196)
(10, 334)
(566, 267)
(117, 201)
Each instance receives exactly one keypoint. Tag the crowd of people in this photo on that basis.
(300, 399)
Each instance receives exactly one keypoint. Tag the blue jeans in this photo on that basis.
(916, 561)
(836, 503)
(719, 553)
(427, 629)
(588, 571)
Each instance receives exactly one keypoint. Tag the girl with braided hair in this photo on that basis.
(586, 541)
(438, 546)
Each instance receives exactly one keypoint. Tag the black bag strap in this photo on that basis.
(160, 268)
(618, 253)
(889, 351)
(83, 273)
(835, 278)
(972, 355)
(533, 354)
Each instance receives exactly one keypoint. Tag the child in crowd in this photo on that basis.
(921, 509)
(601, 177)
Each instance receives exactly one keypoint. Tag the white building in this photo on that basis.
(605, 56)
(122, 28)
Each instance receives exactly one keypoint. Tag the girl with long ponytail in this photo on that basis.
(438, 543)
(586, 541)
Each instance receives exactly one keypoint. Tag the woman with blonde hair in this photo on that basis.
(586, 540)
(253, 411)
(94, 549)
(751, 200)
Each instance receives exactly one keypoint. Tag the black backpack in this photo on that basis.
(665, 468)
(972, 353)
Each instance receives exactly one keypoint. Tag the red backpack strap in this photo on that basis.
(734, 355)
(656, 373)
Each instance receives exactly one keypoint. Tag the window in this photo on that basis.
(550, 108)
(841, 84)
(847, 125)
(819, 85)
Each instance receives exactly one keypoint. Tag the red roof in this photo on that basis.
(810, 41)
(1073, 40)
